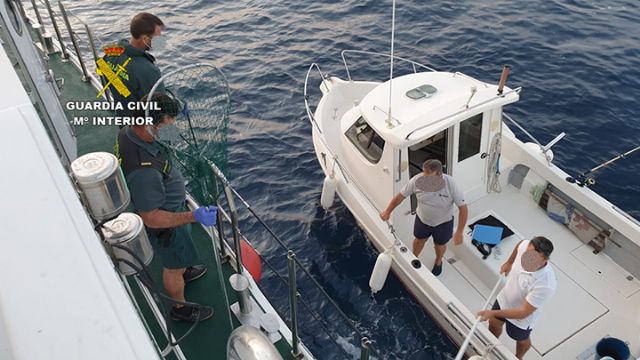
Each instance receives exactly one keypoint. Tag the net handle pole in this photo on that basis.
(467, 340)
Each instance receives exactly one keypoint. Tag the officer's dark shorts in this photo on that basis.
(174, 246)
(441, 233)
(513, 331)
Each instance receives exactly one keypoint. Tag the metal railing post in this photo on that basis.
(223, 251)
(35, 10)
(240, 285)
(63, 12)
(39, 27)
(234, 227)
(364, 348)
(56, 29)
(222, 284)
(92, 45)
(293, 303)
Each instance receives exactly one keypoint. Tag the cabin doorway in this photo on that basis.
(435, 147)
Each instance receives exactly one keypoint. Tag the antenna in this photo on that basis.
(393, 26)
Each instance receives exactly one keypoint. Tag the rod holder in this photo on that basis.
(293, 303)
(503, 78)
(240, 285)
(365, 346)
(554, 141)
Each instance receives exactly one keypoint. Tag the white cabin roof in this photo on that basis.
(430, 114)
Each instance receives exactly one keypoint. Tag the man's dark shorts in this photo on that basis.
(441, 233)
(513, 331)
(174, 246)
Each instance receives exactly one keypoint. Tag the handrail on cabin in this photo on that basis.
(363, 52)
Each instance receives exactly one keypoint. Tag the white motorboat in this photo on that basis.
(368, 155)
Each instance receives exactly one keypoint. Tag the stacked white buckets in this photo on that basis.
(104, 192)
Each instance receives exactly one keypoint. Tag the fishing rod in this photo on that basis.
(583, 179)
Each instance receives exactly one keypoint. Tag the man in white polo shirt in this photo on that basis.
(531, 282)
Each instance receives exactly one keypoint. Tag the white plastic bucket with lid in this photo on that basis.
(127, 230)
(104, 189)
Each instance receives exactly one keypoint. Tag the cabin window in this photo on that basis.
(470, 136)
(366, 140)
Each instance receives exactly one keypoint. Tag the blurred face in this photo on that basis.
(166, 131)
(532, 260)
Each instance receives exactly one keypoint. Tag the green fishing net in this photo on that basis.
(198, 97)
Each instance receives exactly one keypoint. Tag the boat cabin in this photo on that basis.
(434, 115)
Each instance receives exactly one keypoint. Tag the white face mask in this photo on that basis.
(168, 133)
(158, 43)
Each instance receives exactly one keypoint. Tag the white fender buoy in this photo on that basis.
(328, 191)
(380, 272)
(476, 357)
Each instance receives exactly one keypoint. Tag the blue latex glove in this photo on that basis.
(206, 215)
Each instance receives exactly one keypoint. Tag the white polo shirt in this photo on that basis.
(536, 287)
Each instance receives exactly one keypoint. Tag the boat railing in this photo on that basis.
(73, 40)
(346, 176)
(415, 65)
(293, 265)
(464, 110)
(306, 94)
(543, 148)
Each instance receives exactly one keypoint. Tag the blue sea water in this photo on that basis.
(578, 62)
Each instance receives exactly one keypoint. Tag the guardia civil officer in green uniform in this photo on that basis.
(158, 195)
(140, 73)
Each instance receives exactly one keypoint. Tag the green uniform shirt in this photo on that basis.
(149, 190)
(139, 76)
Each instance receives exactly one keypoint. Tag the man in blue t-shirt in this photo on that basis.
(437, 193)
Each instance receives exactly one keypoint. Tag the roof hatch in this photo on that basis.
(421, 92)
